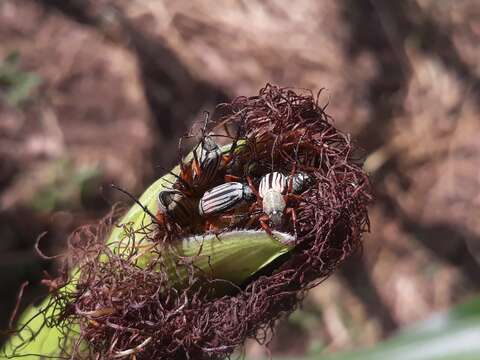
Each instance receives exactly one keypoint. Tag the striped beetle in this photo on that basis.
(175, 205)
(202, 171)
(207, 157)
(172, 204)
(224, 197)
(271, 190)
(274, 189)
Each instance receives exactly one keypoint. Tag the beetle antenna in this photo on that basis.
(144, 208)
(203, 132)
(169, 182)
(297, 148)
(205, 122)
(233, 147)
(186, 186)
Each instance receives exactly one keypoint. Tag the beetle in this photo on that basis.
(271, 189)
(273, 181)
(275, 189)
(207, 158)
(223, 198)
(176, 206)
(203, 170)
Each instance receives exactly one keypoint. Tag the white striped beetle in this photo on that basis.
(273, 181)
(274, 189)
(271, 190)
(207, 157)
(175, 205)
(224, 197)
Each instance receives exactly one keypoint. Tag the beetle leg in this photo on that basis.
(290, 179)
(161, 218)
(230, 178)
(209, 226)
(226, 159)
(196, 167)
(252, 187)
(230, 155)
(252, 216)
(290, 184)
(291, 211)
(264, 224)
(234, 219)
(227, 217)
(295, 197)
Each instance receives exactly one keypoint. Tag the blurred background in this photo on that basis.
(94, 92)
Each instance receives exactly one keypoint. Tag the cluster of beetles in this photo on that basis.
(192, 198)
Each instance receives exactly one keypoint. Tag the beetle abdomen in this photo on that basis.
(273, 205)
(273, 202)
(177, 206)
(223, 197)
(272, 181)
(209, 157)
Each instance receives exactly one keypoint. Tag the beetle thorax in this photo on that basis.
(273, 205)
